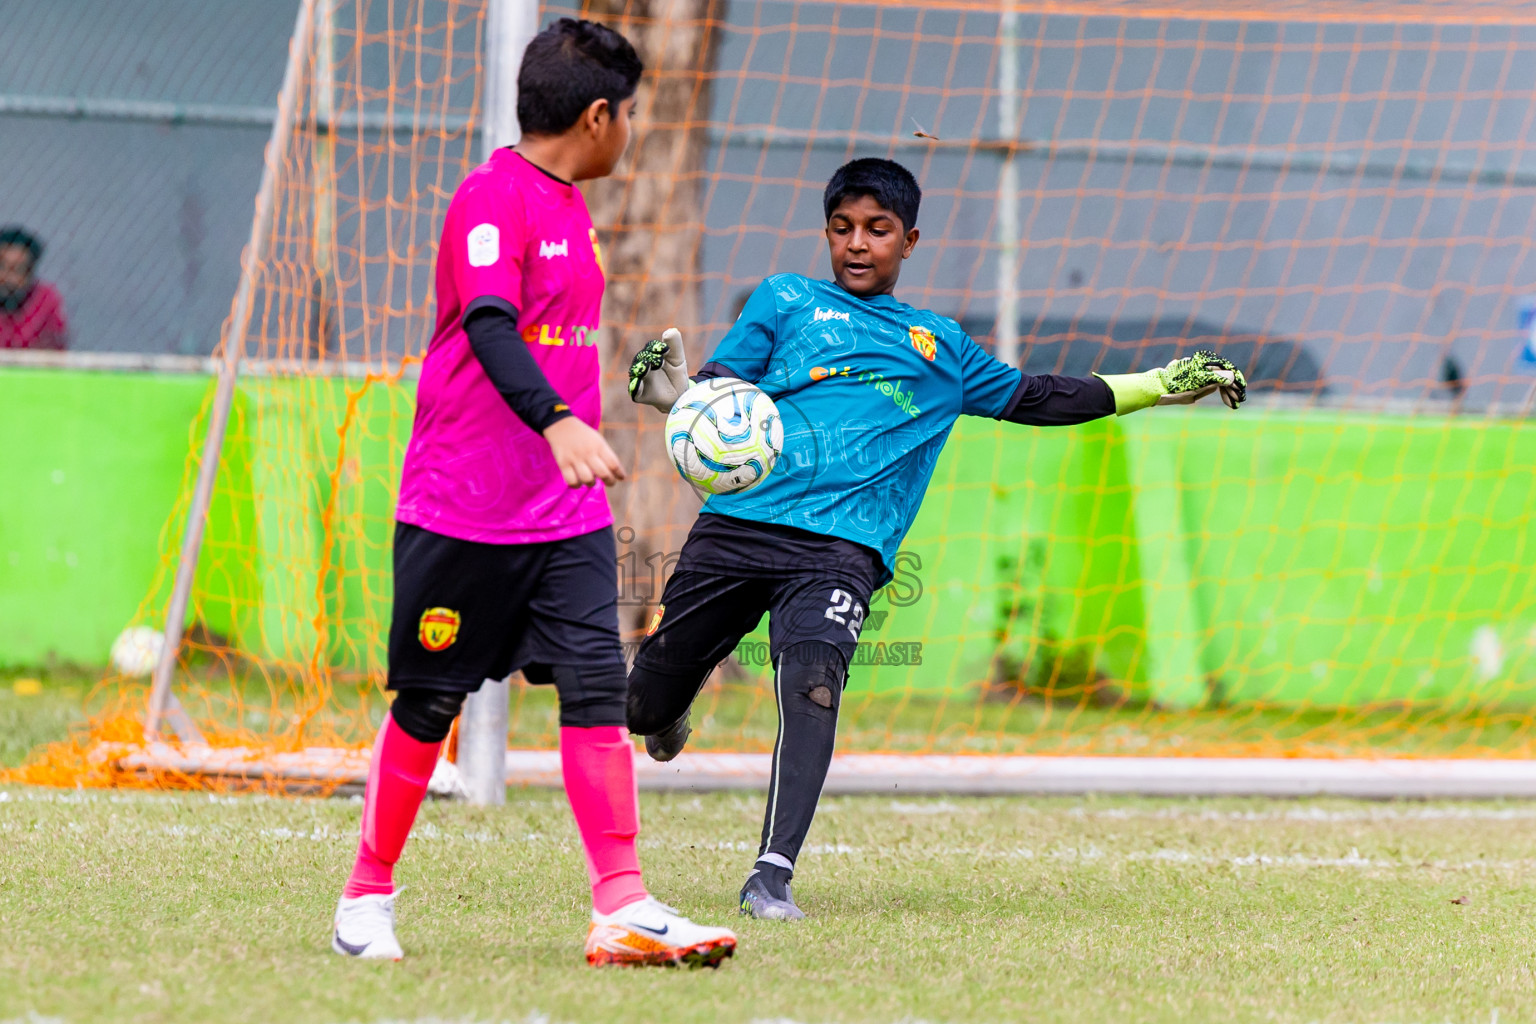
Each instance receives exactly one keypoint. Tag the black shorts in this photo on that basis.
(731, 572)
(466, 612)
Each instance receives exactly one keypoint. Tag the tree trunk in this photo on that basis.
(650, 222)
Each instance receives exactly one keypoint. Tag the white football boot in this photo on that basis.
(650, 932)
(365, 928)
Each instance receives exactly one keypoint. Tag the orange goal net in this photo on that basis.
(1339, 196)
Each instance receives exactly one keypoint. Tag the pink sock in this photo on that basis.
(397, 783)
(599, 770)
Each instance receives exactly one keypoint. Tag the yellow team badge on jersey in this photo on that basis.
(439, 628)
(924, 341)
(656, 620)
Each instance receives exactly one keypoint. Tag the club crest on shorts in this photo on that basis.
(439, 628)
(661, 610)
(924, 341)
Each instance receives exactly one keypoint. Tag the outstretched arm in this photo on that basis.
(1048, 400)
(1181, 382)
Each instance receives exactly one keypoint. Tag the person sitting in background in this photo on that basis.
(31, 312)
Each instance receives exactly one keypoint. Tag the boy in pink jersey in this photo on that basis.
(504, 548)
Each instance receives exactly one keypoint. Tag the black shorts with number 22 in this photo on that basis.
(732, 572)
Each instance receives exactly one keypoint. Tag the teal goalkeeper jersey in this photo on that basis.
(868, 391)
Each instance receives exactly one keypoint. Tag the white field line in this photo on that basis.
(1176, 812)
(919, 806)
(791, 1020)
(930, 774)
(929, 807)
(127, 796)
(1089, 854)
(1320, 815)
(532, 1018)
(1092, 854)
(540, 1018)
(425, 832)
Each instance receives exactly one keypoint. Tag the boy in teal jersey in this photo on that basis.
(868, 389)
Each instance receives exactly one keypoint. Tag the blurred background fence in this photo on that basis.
(1347, 195)
(1340, 195)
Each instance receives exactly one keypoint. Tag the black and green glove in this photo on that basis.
(659, 372)
(1181, 382)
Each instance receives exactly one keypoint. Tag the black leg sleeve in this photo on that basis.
(426, 716)
(590, 696)
(808, 681)
(659, 698)
(702, 616)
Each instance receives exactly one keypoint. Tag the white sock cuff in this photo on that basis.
(778, 860)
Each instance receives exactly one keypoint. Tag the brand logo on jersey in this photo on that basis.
(597, 251)
(559, 334)
(831, 314)
(438, 629)
(892, 390)
(549, 250)
(823, 372)
(924, 341)
(903, 399)
(650, 630)
(484, 245)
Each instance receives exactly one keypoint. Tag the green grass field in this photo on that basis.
(129, 906)
(151, 907)
(29, 719)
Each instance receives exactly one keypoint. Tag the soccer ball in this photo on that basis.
(724, 435)
(136, 650)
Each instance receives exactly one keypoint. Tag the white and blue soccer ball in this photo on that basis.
(724, 435)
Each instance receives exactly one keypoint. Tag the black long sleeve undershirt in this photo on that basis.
(1048, 400)
(491, 324)
(711, 370)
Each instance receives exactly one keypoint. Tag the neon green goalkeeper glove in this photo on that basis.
(1181, 382)
(659, 372)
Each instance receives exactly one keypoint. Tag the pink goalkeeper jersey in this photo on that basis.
(473, 470)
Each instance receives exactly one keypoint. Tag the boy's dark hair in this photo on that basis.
(885, 181)
(15, 234)
(568, 67)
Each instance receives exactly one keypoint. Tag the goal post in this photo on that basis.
(509, 25)
(1337, 196)
(162, 702)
